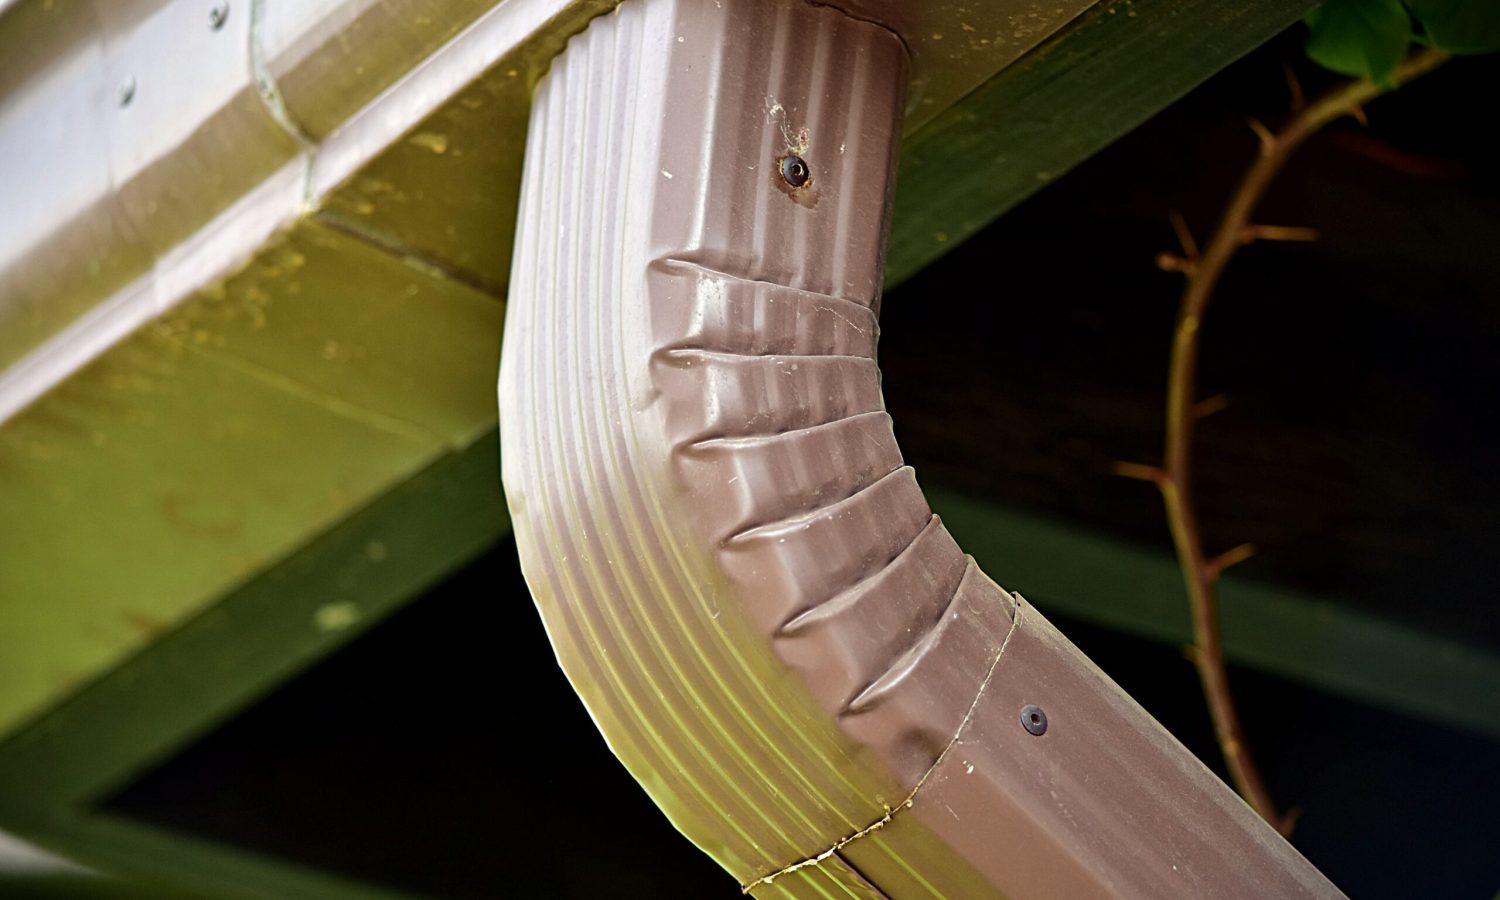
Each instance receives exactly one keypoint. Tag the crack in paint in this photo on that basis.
(890, 812)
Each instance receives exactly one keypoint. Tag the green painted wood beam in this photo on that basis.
(211, 443)
(1311, 640)
(255, 638)
(53, 773)
(169, 866)
(1098, 78)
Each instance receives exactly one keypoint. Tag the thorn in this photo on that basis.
(1185, 237)
(1289, 821)
(1358, 112)
(1216, 566)
(1267, 139)
(1171, 262)
(1277, 233)
(1190, 653)
(1208, 406)
(1140, 472)
(1397, 158)
(1293, 85)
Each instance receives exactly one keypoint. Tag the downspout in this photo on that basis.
(741, 577)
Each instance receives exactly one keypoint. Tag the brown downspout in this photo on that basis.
(740, 576)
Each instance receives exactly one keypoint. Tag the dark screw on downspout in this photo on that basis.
(218, 16)
(794, 170)
(1034, 720)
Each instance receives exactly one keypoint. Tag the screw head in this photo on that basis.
(125, 92)
(794, 170)
(1033, 719)
(218, 15)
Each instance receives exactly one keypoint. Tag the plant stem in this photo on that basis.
(1199, 572)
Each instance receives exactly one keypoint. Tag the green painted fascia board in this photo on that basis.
(1104, 74)
(1314, 641)
(256, 637)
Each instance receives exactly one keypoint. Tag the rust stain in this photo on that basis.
(199, 520)
(146, 624)
(797, 141)
(806, 194)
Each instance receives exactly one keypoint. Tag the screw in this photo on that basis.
(218, 15)
(1033, 719)
(794, 170)
(126, 91)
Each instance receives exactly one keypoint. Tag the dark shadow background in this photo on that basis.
(1358, 452)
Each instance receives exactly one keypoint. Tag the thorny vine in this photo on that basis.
(1202, 270)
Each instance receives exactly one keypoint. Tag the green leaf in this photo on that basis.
(1460, 26)
(1363, 38)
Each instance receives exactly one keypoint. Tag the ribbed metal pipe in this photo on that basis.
(739, 574)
